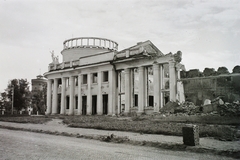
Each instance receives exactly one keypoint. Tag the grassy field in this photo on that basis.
(172, 125)
(25, 119)
(224, 128)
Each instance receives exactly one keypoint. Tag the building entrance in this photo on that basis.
(94, 105)
(84, 105)
(105, 104)
(59, 104)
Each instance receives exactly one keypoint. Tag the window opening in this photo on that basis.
(105, 76)
(84, 79)
(94, 80)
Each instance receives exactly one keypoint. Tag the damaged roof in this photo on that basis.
(141, 49)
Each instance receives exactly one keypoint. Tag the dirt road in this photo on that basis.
(36, 146)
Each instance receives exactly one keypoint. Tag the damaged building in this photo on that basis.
(95, 78)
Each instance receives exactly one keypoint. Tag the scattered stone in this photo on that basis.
(169, 107)
(231, 109)
(207, 102)
(220, 102)
(187, 108)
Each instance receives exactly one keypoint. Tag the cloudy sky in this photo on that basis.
(206, 31)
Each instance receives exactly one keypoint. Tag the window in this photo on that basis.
(76, 81)
(94, 79)
(150, 101)
(76, 102)
(67, 101)
(135, 100)
(84, 79)
(105, 76)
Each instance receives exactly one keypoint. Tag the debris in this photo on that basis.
(206, 102)
(216, 106)
(169, 107)
(231, 109)
(187, 108)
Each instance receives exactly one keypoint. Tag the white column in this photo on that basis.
(99, 95)
(79, 95)
(63, 96)
(115, 111)
(127, 90)
(113, 93)
(132, 87)
(49, 96)
(55, 97)
(172, 81)
(156, 87)
(161, 85)
(141, 90)
(72, 92)
(119, 91)
(145, 84)
(89, 95)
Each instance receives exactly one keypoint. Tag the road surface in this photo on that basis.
(37, 146)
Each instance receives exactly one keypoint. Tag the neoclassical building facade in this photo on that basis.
(95, 78)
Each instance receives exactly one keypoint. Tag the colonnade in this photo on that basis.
(76, 91)
(158, 82)
(90, 41)
(113, 90)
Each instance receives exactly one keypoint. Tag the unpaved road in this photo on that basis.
(15, 145)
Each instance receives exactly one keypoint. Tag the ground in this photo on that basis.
(27, 145)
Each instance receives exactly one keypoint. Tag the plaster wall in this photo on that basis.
(96, 58)
(76, 53)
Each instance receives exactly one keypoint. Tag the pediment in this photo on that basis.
(142, 49)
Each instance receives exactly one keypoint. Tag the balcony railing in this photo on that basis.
(63, 65)
(90, 42)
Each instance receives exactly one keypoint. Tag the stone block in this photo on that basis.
(191, 135)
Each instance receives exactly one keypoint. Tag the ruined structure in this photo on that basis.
(96, 78)
(225, 86)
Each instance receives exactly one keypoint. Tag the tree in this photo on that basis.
(236, 69)
(194, 73)
(39, 100)
(222, 70)
(209, 72)
(18, 89)
(5, 103)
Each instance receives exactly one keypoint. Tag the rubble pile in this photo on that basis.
(187, 108)
(216, 106)
(232, 109)
(169, 108)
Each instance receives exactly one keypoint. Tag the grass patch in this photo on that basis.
(219, 127)
(26, 119)
(171, 125)
(200, 119)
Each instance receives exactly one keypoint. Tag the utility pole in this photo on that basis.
(12, 98)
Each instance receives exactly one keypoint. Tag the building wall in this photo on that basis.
(200, 88)
(76, 53)
(37, 84)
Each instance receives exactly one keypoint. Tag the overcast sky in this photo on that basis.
(207, 32)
